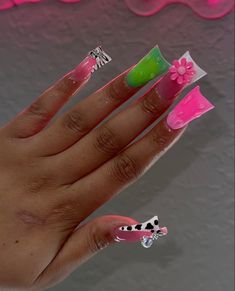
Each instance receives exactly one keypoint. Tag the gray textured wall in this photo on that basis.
(191, 188)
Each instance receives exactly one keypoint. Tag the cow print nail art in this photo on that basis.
(151, 225)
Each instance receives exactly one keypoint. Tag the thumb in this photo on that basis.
(84, 242)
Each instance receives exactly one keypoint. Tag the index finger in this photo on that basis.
(34, 118)
(83, 117)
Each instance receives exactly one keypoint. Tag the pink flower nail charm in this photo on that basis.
(182, 71)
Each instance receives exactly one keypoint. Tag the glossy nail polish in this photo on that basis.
(144, 232)
(151, 66)
(83, 71)
(182, 73)
(192, 106)
(95, 59)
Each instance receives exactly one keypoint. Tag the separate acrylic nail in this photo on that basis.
(145, 232)
(151, 66)
(94, 60)
(192, 106)
(182, 73)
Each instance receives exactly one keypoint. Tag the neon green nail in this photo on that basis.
(151, 66)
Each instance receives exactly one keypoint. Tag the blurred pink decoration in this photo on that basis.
(210, 9)
(5, 4)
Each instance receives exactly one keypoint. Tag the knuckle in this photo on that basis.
(66, 210)
(38, 109)
(151, 103)
(65, 215)
(74, 121)
(106, 141)
(37, 184)
(113, 92)
(160, 137)
(96, 241)
(124, 169)
(96, 244)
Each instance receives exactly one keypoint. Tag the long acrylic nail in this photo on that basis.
(192, 106)
(83, 71)
(182, 73)
(144, 232)
(94, 60)
(151, 66)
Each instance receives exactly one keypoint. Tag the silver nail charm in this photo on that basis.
(101, 57)
(151, 226)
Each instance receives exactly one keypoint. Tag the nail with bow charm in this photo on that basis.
(145, 232)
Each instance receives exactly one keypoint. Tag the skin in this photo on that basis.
(54, 175)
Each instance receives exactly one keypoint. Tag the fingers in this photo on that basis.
(131, 163)
(84, 243)
(125, 168)
(39, 113)
(77, 122)
(110, 138)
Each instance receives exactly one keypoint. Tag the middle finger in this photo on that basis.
(109, 139)
(77, 122)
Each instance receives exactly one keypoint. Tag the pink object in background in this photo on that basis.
(210, 9)
(6, 4)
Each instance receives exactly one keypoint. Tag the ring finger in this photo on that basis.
(117, 173)
(107, 140)
(77, 122)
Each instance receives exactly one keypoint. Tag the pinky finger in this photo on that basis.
(34, 118)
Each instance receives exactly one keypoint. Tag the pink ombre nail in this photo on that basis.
(192, 106)
(145, 232)
(130, 236)
(83, 71)
(95, 59)
(182, 73)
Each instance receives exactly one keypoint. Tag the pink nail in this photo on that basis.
(167, 88)
(83, 71)
(136, 232)
(130, 236)
(182, 73)
(192, 106)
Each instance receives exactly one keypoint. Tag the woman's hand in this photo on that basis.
(52, 178)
